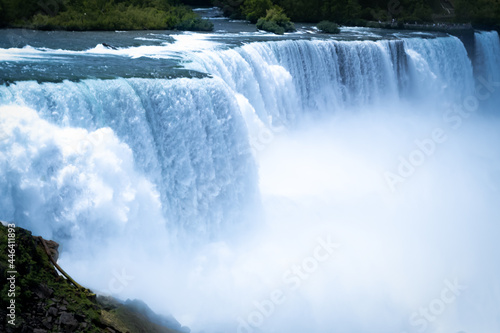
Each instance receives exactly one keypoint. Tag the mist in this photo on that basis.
(389, 253)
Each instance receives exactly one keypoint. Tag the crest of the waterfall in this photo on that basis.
(332, 75)
(287, 80)
(186, 136)
(254, 71)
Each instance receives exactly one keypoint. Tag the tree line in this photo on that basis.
(359, 12)
(100, 15)
(177, 14)
(483, 14)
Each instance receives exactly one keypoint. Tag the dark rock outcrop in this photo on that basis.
(47, 302)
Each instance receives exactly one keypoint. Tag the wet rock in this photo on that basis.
(47, 322)
(53, 249)
(80, 317)
(52, 311)
(68, 321)
(43, 291)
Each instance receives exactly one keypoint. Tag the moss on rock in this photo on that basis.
(47, 302)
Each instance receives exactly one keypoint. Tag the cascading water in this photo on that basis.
(289, 78)
(487, 68)
(488, 54)
(283, 80)
(187, 137)
(131, 164)
(440, 68)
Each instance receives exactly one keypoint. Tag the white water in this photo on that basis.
(187, 137)
(488, 54)
(119, 168)
(167, 50)
(283, 80)
(286, 79)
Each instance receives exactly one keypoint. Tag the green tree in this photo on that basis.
(352, 10)
(16, 11)
(231, 8)
(303, 11)
(2, 17)
(423, 13)
(255, 9)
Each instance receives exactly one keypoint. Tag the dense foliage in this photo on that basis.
(174, 14)
(101, 15)
(275, 21)
(342, 11)
(359, 12)
(482, 13)
(255, 9)
(231, 8)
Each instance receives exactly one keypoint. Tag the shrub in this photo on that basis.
(328, 27)
(270, 26)
(195, 24)
(275, 21)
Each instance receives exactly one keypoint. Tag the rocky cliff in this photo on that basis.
(36, 298)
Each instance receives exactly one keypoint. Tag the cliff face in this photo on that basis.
(35, 298)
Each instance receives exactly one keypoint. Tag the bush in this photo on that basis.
(195, 24)
(275, 21)
(262, 24)
(328, 27)
(182, 18)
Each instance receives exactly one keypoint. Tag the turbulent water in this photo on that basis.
(250, 183)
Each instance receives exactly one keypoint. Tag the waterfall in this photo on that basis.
(288, 79)
(284, 80)
(187, 138)
(271, 150)
(488, 55)
(440, 68)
